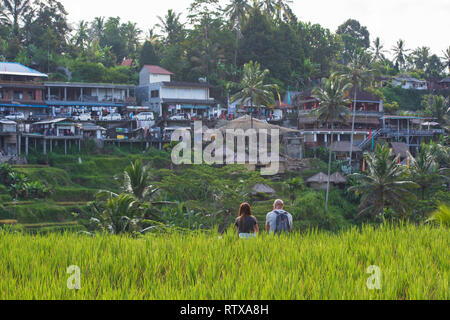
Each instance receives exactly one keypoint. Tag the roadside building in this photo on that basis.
(21, 91)
(168, 98)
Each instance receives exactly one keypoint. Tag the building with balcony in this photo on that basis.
(66, 99)
(368, 114)
(21, 89)
(407, 82)
(166, 97)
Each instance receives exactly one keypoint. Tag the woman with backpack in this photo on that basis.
(246, 224)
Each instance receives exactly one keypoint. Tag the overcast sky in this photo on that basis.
(418, 22)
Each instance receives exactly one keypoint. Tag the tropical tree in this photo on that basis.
(420, 57)
(133, 37)
(424, 169)
(283, 9)
(237, 12)
(359, 74)
(97, 28)
(400, 53)
(171, 26)
(13, 11)
(137, 181)
(446, 58)
(82, 36)
(378, 50)
(333, 109)
(436, 107)
(252, 88)
(120, 213)
(384, 185)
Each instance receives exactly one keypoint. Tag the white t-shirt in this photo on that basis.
(271, 219)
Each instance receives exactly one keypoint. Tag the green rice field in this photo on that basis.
(414, 262)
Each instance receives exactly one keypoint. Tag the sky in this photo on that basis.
(418, 22)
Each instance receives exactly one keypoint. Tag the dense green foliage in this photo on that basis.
(215, 43)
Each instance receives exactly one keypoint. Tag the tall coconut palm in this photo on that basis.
(333, 109)
(237, 12)
(15, 10)
(252, 88)
(384, 185)
(446, 58)
(359, 73)
(97, 28)
(171, 26)
(400, 53)
(378, 50)
(133, 36)
(283, 9)
(438, 108)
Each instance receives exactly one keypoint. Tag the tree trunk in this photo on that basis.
(329, 168)
(353, 130)
(251, 113)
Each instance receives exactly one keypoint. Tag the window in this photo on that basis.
(155, 94)
(18, 95)
(31, 95)
(1, 94)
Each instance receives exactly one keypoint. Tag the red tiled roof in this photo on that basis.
(157, 70)
(127, 62)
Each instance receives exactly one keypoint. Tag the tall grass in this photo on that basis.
(414, 263)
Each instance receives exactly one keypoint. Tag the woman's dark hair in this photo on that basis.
(244, 211)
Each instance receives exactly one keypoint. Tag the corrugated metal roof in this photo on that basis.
(17, 69)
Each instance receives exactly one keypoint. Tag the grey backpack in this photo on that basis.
(282, 222)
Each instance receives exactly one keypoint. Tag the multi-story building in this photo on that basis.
(21, 90)
(66, 99)
(166, 97)
(369, 110)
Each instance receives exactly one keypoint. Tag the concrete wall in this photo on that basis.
(184, 93)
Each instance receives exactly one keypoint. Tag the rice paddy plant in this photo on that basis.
(413, 262)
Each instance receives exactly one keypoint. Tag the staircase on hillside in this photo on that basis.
(367, 141)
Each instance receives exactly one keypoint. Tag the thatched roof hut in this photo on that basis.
(262, 188)
(338, 178)
(319, 181)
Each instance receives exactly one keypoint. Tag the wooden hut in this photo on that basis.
(319, 181)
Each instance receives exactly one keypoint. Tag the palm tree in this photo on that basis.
(378, 50)
(446, 58)
(152, 36)
(133, 36)
(120, 214)
(13, 11)
(97, 28)
(270, 7)
(420, 57)
(171, 26)
(424, 169)
(137, 181)
(209, 55)
(438, 108)
(237, 11)
(81, 37)
(359, 75)
(333, 109)
(252, 87)
(282, 6)
(384, 185)
(400, 53)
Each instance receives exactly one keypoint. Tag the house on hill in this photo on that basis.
(166, 97)
(407, 82)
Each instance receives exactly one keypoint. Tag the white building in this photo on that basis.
(166, 97)
(409, 83)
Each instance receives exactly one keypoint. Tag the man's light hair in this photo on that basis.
(278, 203)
